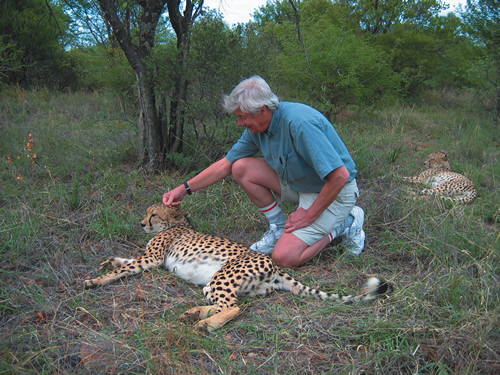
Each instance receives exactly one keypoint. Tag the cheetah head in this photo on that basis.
(437, 160)
(160, 217)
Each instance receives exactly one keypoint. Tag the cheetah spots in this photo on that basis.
(225, 269)
(442, 182)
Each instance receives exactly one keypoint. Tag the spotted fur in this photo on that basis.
(441, 181)
(225, 268)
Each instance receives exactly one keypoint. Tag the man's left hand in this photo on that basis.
(298, 219)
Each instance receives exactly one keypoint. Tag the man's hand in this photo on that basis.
(297, 220)
(174, 197)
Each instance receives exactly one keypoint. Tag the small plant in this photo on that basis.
(395, 154)
(19, 162)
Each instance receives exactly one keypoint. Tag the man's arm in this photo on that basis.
(335, 182)
(209, 176)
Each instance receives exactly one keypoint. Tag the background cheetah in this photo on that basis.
(226, 268)
(441, 181)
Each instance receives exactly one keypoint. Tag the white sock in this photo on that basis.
(274, 214)
(341, 228)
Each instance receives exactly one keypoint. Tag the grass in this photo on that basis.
(83, 197)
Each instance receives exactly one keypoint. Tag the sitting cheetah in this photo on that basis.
(226, 269)
(441, 181)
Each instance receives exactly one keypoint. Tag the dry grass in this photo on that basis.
(70, 213)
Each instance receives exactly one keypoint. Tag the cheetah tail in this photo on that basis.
(373, 288)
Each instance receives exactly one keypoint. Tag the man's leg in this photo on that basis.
(258, 180)
(297, 248)
(291, 251)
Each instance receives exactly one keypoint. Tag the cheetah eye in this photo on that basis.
(153, 215)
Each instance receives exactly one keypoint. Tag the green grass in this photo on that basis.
(82, 200)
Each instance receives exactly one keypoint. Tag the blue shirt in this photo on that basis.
(301, 145)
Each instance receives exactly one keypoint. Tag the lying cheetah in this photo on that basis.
(226, 269)
(441, 181)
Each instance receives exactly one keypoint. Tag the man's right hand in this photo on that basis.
(174, 197)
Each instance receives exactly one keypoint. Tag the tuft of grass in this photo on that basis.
(82, 199)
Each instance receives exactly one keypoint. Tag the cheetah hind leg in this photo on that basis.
(217, 320)
(197, 313)
(210, 318)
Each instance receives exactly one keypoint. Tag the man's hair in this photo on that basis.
(250, 96)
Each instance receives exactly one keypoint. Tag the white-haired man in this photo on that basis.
(304, 162)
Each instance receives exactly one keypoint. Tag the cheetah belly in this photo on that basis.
(193, 270)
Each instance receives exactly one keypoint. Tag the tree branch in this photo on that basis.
(301, 40)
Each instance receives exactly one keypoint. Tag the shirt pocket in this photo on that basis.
(294, 168)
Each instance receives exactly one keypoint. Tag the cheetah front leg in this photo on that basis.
(123, 268)
(114, 263)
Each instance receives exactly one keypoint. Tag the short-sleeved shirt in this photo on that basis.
(301, 145)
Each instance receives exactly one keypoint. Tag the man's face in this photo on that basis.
(256, 124)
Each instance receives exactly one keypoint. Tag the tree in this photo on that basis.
(436, 54)
(133, 24)
(182, 24)
(328, 65)
(137, 50)
(482, 18)
(88, 26)
(31, 42)
(379, 17)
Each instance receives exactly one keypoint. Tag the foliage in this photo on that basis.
(347, 53)
(337, 67)
(444, 55)
(482, 19)
(104, 69)
(32, 38)
(219, 56)
(379, 17)
(88, 26)
(276, 12)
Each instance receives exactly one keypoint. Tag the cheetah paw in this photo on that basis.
(107, 265)
(190, 317)
(87, 284)
(202, 328)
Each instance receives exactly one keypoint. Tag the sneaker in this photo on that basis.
(268, 241)
(354, 236)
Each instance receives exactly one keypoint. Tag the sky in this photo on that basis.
(240, 11)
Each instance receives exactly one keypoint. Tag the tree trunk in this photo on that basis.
(155, 141)
(176, 133)
(151, 148)
(181, 23)
(150, 139)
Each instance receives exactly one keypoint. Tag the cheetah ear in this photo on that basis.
(445, 156)
(179, 213)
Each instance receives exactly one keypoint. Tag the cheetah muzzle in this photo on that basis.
(225, 268)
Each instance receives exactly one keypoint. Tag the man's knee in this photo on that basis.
(239, 168)
(285, 258)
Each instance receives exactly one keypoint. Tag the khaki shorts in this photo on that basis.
(329, 220)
